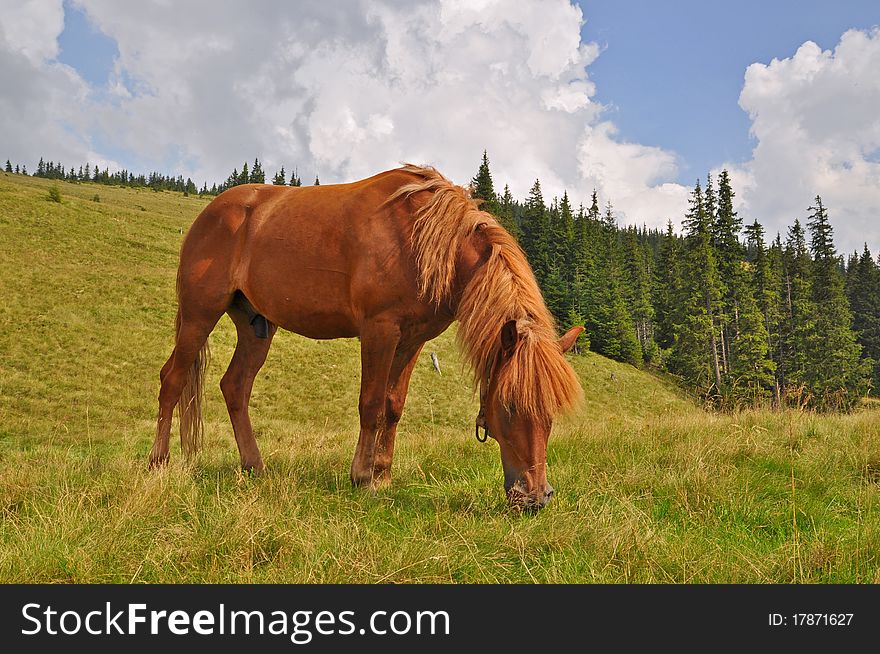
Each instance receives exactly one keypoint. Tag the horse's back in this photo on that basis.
(316, 260)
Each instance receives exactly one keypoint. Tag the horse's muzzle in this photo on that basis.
(519, 498)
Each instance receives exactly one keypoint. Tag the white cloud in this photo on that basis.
(342, 90)
(31, 27)
(816, 119)
(41, 100)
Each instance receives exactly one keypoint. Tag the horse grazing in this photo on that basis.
(393, 259)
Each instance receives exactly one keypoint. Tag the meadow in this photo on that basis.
(650, 488)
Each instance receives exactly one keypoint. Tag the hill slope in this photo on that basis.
(649, 488)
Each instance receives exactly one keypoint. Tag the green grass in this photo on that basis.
(649, 487)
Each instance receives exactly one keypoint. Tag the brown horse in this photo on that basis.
(394, 260)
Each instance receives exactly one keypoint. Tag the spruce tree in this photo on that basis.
(695, 355)
(483, 189)
(257, 175)
(506, 217)
(669, 289)
(553, 281)
(8, 166)
(729, 254)
(534, 232)
(751, 375)
(835, 372)
(234, 179)
(245, 176)
(863, 289)
(584, 255)
(609, 321)
(797, 332)
(638, 271)
(294, 179)
(280, 178)
(765, 283)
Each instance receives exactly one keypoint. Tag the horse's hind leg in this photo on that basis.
(237, 383)
(192, 333)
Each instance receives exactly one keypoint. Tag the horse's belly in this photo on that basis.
(313, 303)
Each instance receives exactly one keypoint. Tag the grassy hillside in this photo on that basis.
(649, 487)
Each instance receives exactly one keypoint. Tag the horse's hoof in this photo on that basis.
(158, 461)
(380, 483)
(372, 484)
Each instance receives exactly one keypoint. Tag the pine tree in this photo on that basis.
(534, 232)
(483, 189)
(294, 179)
(669, 289)
(751, 367)
(609, 321)
(638, 271)
(506, 213)
(766, 281)
(257, 175)
(863, 290)
(245, 176)
(584, 262)
(798, 332)
(234, 179)
(835, 373)
(729, 254)
(317, 181)
(8, 166)
(280, 178)
(695, 355)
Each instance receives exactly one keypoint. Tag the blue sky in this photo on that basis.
(86, 48)
(635, 99)
(672, 72)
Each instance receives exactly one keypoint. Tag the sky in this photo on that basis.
(636, 99)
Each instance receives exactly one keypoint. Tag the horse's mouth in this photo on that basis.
(521, 500)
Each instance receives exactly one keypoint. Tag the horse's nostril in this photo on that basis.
(549, 491)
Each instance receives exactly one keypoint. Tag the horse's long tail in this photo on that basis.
(189, 406)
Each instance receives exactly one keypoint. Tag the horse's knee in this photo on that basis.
(393, 409)
(372, 413)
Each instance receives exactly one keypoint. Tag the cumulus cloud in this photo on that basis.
(816, 121)
(342, 90)
(42, 100)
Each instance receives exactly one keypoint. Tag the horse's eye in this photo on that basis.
(479, 226)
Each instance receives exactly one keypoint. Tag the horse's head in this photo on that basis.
(521, 436)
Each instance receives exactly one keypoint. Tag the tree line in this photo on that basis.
(739, 320)
(155, 180)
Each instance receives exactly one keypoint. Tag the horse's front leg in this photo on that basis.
(395, 397)
(379, 342)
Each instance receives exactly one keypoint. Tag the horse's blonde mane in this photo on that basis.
(537, 380)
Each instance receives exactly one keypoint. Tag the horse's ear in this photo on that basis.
(568, 339)
(509, 338)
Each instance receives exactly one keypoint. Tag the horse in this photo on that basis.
(394, 260)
